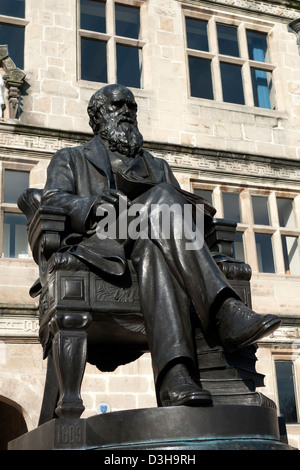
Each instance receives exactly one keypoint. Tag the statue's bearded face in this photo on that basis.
(118, 123)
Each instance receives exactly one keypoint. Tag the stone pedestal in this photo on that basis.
(220, 427)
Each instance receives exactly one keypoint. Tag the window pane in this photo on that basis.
(262, 85)
(129, 67)
(13, 36)
(15, 236)
(127, 21)
(257, 46)
(231, 205)
(264, 253)
(260, 210)
(196, 34)
(92, 15)
(205, 194)
(200, 78)
(228, 40)
(238, 247)
(12, 8)
(286, 212)
(291, 255)
(93, 60)
(15, 183)
(286, 390)
(232, 84)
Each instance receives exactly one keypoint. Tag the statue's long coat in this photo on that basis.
(77, 176)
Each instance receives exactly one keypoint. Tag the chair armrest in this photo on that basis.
(220, 236)
(45, 230)
(235, 270)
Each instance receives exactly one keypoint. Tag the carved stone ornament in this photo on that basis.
(295, 26)
(13, 79)
(279, 8)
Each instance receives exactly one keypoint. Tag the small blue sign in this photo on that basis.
(102, 408)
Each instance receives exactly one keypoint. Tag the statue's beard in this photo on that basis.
(122, 136)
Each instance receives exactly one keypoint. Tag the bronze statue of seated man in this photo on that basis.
(112, 170)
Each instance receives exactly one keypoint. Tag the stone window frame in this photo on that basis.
(110, 38)
(247, 226)
(10, 208)
(15, 21)
(292, 354)
(243, 24)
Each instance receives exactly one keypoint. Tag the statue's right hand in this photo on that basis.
(109, 196)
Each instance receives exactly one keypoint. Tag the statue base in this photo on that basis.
(182, 428)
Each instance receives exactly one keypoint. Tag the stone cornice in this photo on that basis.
(21, 141)
(286, 9)
(31, 143)
(18, 323)
(232, 164)
(286, 3)
(14, 127)
(250, 172)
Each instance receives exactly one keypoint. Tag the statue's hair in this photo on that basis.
(96, 102)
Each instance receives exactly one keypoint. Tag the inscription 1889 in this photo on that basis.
(70, 435)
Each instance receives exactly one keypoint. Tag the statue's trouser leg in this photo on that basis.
(169, 276)
(166, 310)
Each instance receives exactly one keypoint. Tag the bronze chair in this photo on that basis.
(82, 316)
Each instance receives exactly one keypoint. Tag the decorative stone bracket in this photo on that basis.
(13, 79)
(295, 26)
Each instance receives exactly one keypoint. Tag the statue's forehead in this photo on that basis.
(119, 93)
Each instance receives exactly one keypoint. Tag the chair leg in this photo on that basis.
(50, 393)
(69, 350)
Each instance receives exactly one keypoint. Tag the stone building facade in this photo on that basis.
(237, 138)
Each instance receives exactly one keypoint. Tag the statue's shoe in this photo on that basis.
(239, 326)
(179, 389)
